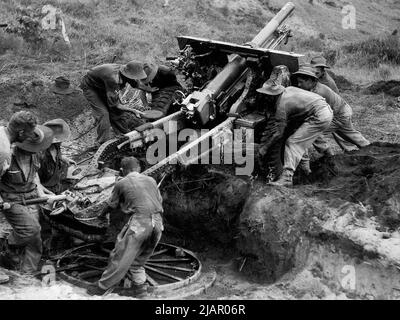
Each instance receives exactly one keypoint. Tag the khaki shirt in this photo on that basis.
(335, 101)
(137, 194)
(106, 80)
(296, 104)
(20, 176)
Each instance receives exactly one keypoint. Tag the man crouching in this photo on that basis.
(138, 196)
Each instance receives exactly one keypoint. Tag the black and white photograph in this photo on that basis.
(199, 155)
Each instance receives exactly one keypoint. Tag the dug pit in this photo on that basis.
(342, 226)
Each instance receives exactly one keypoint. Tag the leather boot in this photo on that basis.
(304, 166)
(285, 180)
(139, 290)
(96, 291)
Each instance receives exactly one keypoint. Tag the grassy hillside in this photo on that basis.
(146, 30)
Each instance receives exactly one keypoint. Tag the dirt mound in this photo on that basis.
(370, 176)
(391, 87)
(272, 224)
(204, 205)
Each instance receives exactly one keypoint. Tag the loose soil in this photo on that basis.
(278, 243)
(265, 243)
(389, 87)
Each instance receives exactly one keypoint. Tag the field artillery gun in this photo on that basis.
(221, 97)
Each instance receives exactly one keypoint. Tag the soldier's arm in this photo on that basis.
(113, 201)
(113, 99)
(112, 91)
(158, 194)
(280, 122)
(274, 130)
(146, 88)
(3, 169)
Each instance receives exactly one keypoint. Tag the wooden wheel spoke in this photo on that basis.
(159, 252)
(169, 260)
(88, 256)
(94, 267)
(105, 250)
(164, 266)
(90, 274)
(167, 275)
(151, 281)
(84, 266)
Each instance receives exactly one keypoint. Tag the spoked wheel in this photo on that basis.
(169, 267)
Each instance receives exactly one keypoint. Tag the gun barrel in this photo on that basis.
(263, 36)
(238, 64)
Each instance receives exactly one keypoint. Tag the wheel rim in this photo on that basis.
(164, 270)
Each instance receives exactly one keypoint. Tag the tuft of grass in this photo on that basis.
(312, 43)
(9, 42)
(384, 72)
(78, 9)
(375, 50)
(364, 76)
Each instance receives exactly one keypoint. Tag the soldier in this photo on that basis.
(138, 196)
(21, 126)
(294, 105)
(53, 165)
(101, 87)
(342, 124)
(18, 184)
(159, 79)
(319, 63)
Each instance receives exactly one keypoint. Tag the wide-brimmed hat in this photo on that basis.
(133, 70)
(271, 88)
(62, 85)
(151, 71)
(60, 129)
(308, 71)
(319, 61)
(41, 142)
